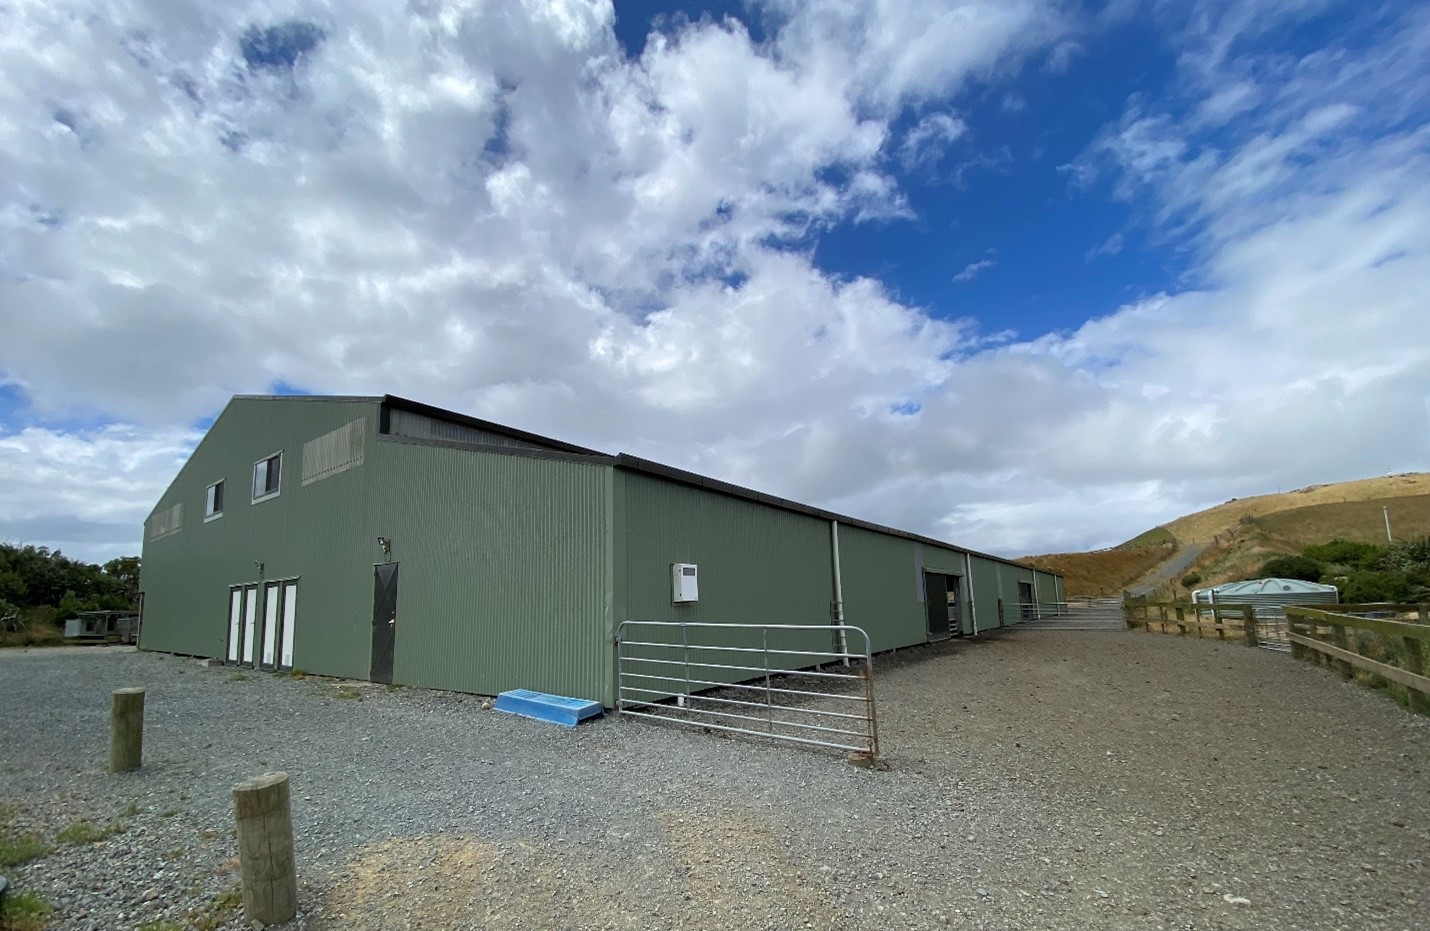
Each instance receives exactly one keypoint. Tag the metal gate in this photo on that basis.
(786, 682)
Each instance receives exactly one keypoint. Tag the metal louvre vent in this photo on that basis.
(167, 522)
(334, 452)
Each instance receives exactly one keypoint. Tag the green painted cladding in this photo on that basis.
(504, 569)
(757, 564)
(986, 592)
(882, 587)
(516, 566)
(320, 534)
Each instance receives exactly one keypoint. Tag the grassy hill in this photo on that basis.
(1230, 541)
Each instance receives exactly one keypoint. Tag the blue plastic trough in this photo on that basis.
(558, 709)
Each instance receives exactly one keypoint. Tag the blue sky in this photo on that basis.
(1029, 275)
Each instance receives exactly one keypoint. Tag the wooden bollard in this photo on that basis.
(264, 814)
(1248, 626)
(126, 730)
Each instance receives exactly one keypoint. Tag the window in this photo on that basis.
(213, 501)
(267, 476)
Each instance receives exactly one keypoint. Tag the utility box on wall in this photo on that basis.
(683, 588)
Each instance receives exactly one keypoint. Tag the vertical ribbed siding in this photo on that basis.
(318, 534)
(757, 564)
(985, 591)
(879, 591)
(504, 570)
(422, 427)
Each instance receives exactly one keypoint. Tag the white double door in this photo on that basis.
(269, 642)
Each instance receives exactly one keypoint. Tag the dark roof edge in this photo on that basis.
(308, 397)
(417, 407)
(630, 463)
(647, 467)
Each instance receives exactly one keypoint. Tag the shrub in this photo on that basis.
(1345, 553)
(1407, 555)
(1368, 586)
(1292, 567)
(1191, 579)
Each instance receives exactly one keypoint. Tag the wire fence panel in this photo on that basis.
(809, 684)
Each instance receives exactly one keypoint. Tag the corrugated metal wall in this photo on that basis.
(320, 533)
(504, 569)
(515, 568)
(985, 585)
(883, 587)
(422, 427)
(757, 564)
(760, 564)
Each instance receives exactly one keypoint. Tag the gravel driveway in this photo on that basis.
(1037, 779)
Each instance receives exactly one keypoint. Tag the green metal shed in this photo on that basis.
(379, 538)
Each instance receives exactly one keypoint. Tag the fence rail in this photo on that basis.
(1041, 610)
(1240, 621)
(806, 684)
(1344, 641)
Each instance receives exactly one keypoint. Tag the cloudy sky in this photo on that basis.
(1028, 275)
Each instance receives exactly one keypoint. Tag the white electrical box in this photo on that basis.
(683, 588)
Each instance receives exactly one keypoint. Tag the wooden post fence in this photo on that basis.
(1304, 630)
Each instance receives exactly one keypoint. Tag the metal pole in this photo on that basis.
(1037, 610)
(838, 590)
(972, 605)
(769, 697)
(685, 650)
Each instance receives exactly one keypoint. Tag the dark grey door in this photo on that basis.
(936, 604)
(384, 620)
(1026, 608)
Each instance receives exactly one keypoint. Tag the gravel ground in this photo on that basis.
(1036, 779)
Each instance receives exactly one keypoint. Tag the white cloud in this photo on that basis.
(85, 492)
(973, 269)
(1112, 245)
(490, 207)
(928, 140)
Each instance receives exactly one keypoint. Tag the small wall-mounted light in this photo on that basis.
(385, 543)
(259, 566)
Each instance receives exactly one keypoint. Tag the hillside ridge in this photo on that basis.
(1229, 541)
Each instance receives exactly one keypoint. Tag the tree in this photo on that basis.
(31, 576)
(124, 572)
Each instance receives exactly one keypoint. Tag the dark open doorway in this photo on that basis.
(941, 603)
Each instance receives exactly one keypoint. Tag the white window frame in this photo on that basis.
(214, 515)
(276, 491)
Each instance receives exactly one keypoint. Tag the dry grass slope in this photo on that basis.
(1242, 533)
(1205, 526)
(1102, 572)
